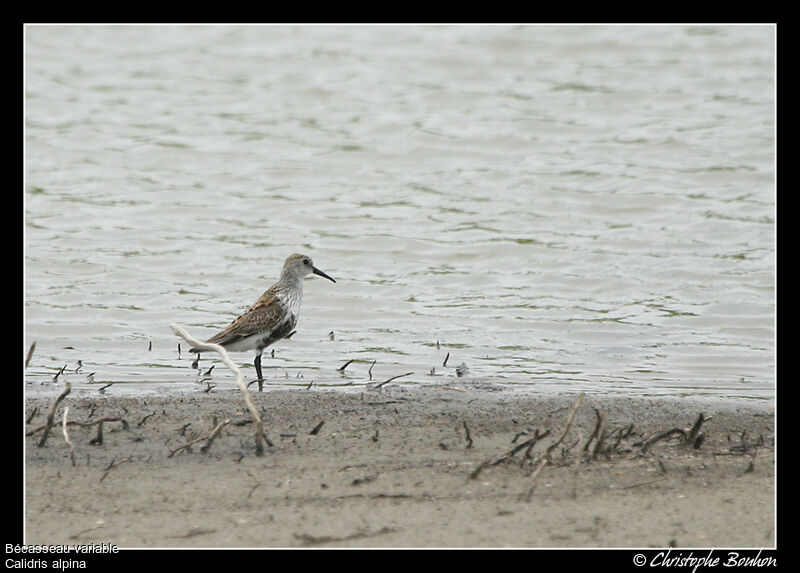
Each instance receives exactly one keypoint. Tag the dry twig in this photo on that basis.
(527, 445)
(533, 478)
(572, 413)
(691, 437)
(260, 437)
(51, 415)
(469, 437)
(66, 436)
(214, 433)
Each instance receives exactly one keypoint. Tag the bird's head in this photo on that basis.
(297, 266)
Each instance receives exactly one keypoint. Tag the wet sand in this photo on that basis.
(402, 467)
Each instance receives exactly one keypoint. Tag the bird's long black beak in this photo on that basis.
(316, 271)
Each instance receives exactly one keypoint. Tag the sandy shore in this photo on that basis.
(396, 468)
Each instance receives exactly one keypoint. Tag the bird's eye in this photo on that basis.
(305, 262)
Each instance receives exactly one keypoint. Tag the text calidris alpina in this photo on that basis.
(273, 316)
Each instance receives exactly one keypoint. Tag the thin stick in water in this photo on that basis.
(30, 354)
(390, 379)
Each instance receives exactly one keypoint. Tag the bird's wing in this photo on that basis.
(262, 316)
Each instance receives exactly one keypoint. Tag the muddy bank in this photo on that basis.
(399, 467)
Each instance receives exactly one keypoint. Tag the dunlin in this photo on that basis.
(273, 316)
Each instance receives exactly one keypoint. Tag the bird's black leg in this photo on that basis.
(257, 364)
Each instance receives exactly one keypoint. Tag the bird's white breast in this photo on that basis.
(291, 299)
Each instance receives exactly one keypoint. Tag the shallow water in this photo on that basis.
(558, 208)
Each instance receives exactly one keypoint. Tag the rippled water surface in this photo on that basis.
(558, 208)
